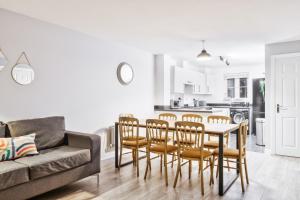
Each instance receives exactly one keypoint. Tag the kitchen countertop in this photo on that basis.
(186, 109)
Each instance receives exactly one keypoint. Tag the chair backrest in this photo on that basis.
(126, 115)
(167, 116)
(190, 135)
(242, 137)
(218, 119)
(192, 118)
(128, 128)
(157, 131)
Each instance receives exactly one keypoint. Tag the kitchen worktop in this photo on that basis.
(188, 109)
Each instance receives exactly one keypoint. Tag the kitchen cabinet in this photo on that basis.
(178, 80)
(196, 79)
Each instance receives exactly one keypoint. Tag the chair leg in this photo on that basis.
(211, 171)
(173, 155)
(241, 174)
(246, 170)
(137, 162)
(228, 164)
(217, 173)
(202, 179)
(120, 160)
(147, 163)
(133, 157)
(161, 162)
(178, 171)
(190, 169)
(166, 168)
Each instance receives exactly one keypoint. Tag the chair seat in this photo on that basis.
(227, 152)
(134, 138)
(161, 148)
(134, 143)
(195, 153)
(212, 144)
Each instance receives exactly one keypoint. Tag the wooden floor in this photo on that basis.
(271, 177)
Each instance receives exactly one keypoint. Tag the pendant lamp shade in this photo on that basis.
(204, 55)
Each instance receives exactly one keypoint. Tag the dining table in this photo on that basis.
(213, 129)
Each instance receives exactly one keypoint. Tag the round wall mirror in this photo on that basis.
(125, 73)
(23, 74)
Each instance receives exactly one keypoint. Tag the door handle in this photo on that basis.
(279, 107)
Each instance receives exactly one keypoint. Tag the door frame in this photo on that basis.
(272, 97)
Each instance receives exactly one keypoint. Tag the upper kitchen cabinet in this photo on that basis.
(187, 77)
(179, 80)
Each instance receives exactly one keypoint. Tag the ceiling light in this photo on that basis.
(204, 55)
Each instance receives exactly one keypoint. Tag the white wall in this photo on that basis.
(75, 75)
(274, 49)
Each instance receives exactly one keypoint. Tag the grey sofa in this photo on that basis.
(64, 157)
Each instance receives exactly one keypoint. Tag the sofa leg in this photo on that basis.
(98, 179)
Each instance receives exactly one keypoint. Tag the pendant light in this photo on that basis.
(203, 55)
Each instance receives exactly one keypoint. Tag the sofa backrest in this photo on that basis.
(49, 131)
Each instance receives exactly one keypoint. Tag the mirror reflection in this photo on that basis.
(125, 73)
(23, 74)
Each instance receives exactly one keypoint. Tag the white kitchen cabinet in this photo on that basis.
(196, 79)
(179, 80)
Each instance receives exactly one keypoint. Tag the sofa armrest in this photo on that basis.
(85, 140)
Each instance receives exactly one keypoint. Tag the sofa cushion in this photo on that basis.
(55, 160)
(49, 131)
(12, 173)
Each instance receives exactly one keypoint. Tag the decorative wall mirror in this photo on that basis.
(125, 73)
(3, 60)
(22, 71)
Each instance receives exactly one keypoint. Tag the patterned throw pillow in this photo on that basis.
(12, 148)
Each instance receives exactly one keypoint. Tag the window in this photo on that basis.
(243, 87)
(230, 88)
(237, 87)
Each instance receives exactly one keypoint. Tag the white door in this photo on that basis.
(287, 98)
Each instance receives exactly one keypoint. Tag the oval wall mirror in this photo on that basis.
(23, 74)
(125, 73)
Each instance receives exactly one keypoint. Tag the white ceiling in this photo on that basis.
(235, 28)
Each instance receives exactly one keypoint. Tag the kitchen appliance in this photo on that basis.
(176, 103)
(258, 105)
(240, 111)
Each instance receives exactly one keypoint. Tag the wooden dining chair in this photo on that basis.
(187, 132)
(156, 128)
(213, 141)
(192, 118)
(130, 139)
(238, 154)
(126, 115)
(167, 116)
